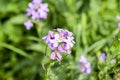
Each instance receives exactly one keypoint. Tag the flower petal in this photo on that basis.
(68, 51)
(83, 60)
(59, 57)
(53, 56)
(60, 48)
(28, 24)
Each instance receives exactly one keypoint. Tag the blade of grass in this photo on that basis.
(19, 51)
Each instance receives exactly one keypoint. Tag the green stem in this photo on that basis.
(38, 31)
(46, 70)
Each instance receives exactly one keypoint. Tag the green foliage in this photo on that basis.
(24, 56)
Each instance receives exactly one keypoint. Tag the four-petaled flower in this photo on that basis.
(28, 24)
(37, 9)
(84, 65)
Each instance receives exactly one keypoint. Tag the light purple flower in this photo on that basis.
(103, 57)
(119, 24)
(59, 40)
(37, 10)
(118, 17)
(28, 24)
(84, 65)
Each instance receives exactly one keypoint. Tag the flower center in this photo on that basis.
(36, 7)
(61, 38)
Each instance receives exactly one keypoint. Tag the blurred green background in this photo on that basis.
(93, 23)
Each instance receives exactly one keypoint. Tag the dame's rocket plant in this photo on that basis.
(59, 40)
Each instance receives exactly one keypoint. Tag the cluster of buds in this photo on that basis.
(36, 10)
(59, 40)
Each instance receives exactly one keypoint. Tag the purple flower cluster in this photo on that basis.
(118, 17)
(84, 65)
(36, 10)
(59, 40)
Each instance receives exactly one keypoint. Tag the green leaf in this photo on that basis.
(14, 49)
